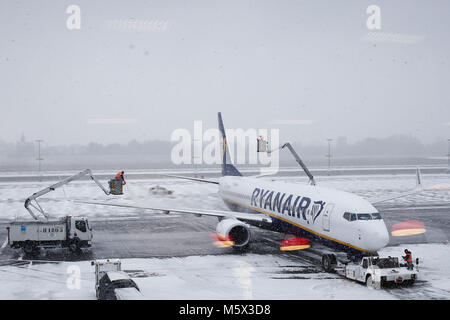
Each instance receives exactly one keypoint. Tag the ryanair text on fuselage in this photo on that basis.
(289, 204)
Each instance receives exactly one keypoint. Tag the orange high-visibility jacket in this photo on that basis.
(408, 257)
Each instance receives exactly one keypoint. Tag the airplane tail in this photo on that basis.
(227, 168)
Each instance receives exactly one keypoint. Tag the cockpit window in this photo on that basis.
(362, 216)
(376, 216)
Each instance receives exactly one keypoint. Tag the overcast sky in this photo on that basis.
(311, 68)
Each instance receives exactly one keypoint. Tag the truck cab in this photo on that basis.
(78, 227)
(79, 233)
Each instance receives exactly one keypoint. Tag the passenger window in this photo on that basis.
(353, 217)
(347, 216)
(80, 225)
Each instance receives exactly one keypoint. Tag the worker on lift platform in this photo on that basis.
(116, 184)
(120, 176)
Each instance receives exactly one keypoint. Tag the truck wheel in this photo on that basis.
(409, 282)
(28, 247)
(74, 245)
(36, 251)
(328, 260)
(369, 282)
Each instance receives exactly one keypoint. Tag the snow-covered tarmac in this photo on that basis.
(217, 276)
(249, 276)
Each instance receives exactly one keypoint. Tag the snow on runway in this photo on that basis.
(249, 276)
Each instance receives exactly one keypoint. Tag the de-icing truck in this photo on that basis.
(69, 232)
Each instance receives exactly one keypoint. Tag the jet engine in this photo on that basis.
(234, 232)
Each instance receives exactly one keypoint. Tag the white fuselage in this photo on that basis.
(334, 216)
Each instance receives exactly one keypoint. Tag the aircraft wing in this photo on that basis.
(254, 217)
(419, 188)
(395, 196)
(443, 187)
(265, 174)
(189, 178)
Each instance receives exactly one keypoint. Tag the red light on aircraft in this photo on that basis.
(222, 241)
(294, 243)
(408, 228)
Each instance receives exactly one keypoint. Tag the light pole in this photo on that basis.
(448, 157)
(39, 159)
(329, 155)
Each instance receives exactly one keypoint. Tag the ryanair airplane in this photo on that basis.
(341, 220)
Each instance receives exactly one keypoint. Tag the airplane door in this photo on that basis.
(326, 217)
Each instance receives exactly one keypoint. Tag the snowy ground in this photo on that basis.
(225, 277)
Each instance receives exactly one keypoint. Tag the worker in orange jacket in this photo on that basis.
(120, 176)
(408, 259)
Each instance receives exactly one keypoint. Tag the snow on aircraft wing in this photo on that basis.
(256, 217)
(189, 178)
(441, 187)
(396, 196)
(264, 174)
(419, 188)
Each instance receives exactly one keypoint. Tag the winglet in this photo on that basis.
(418, 179)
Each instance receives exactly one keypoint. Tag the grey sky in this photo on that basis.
(259, 62)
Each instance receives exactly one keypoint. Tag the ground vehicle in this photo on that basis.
(158, 190)
(113, 284)
(372, 270)
(67, 232)
(117, 285)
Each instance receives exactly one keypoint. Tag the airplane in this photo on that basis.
(341, 220)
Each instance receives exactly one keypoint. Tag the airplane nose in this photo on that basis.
(383, 236)
(377, 237)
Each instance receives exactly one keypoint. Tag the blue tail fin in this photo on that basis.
(227, 168)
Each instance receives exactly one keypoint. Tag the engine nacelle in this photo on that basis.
(235, 230)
